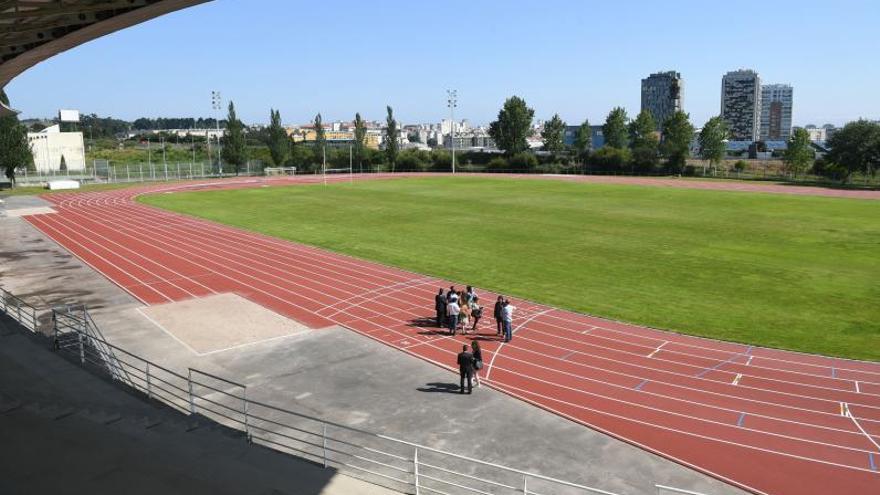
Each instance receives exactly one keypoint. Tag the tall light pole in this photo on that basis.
(452, 102)
(217, 104)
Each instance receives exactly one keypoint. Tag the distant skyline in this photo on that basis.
(570, 57)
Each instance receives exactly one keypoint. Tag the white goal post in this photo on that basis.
(275, 171)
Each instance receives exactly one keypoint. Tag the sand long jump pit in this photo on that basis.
(220, 323)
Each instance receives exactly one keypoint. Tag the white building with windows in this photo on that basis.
(50, 145)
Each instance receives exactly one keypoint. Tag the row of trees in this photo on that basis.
(632, 144)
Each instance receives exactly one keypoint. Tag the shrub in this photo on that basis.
(413, 160)
(524, 161)
(441, 160)
(497, 164)
(611, 159)
(740, 166)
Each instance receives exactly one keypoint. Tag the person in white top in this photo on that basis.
(452, 311)
(507, 317)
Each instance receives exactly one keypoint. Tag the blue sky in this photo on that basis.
(575, 57)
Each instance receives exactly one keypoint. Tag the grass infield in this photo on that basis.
(795, 272)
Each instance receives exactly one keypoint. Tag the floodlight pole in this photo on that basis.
(324, 163)
(350, 163)
(452, 102)
(216, 104)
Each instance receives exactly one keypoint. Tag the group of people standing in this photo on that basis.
(455, 310)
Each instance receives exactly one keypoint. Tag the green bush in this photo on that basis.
(740, 166)
(610, 159)
(523, 162)
(441, 160)
(413, 160)
(497, 164)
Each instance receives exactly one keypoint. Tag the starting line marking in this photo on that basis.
(737, 379)
(749, 361)
(639, 386)
(833, 372)
(658, 348)
(857, 387)
(742, 418)
(844, 409)
(871, 461)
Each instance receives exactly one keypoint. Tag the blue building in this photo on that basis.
(571, 132)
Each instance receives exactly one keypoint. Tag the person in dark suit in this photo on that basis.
(465, 369)
(440, 307)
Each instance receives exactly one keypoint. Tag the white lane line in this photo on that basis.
(159, 325)
(494, 355)
(519, 392)
(302, 395)
(859, 426)
(737, 379)
(658, 348)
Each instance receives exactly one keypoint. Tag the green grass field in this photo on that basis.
(794, 272)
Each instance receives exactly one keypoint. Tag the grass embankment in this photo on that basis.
(794, 272)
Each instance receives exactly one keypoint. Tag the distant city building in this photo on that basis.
(741, 104)
(776, 109)
(446, 126)
(470, 140)
(50, 145)
(820, 134)
(571, 131)
(662, 95)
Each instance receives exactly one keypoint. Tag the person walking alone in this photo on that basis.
(478, 361)
(440, 307)
(452, 310)
(465, 369)
(507, 316)
(498, 314)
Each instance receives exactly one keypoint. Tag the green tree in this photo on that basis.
(677, 136)
(713, 145)
(855, 148)
(644, 142)
(513, 126)
(360, 140)
(583, 141)
(615, 129)
(14, 148)
(799, 154)
(392, 147)
(234, 144)
(277, 139)
(320, 136)
(552, 134)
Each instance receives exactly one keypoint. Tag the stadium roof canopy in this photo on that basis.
(33, 30)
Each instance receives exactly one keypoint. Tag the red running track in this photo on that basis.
(769, 421)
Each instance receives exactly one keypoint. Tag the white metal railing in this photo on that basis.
(376, 458)
(19, 310)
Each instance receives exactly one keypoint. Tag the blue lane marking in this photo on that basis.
(749, 350)
(713, 368)
(833, 372)
(639, 386)
(742, 417)
(871, 459)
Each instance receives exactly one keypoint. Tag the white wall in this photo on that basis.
(50, 144)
